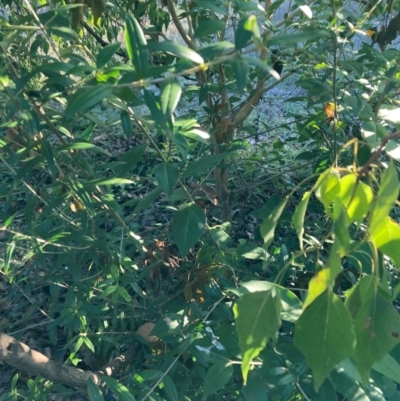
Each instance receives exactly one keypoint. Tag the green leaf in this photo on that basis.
(153, 103)
(240, 70)
(298, 217)
(267, 228)
(7, 257)
(221, 238)
(216, 378)
(197, 135)
(393, 150)
(291, 306)
(203, 164)
(389, 367)
(326, 392)
(359, 294)
(348, 386)
(324, 334)
(187, 227)
(136, 45)
(369, 133)
(391, 114)
(124, 294)
(109, 181)
(255, 390)
(218, 7)
(170, 389)
(208, 27)
(321, 281)
(129, 159)
(82, 145)
(86, 99)
(170, 94)
(356, 197)
(377, 328)
(88, 344)
(177, 50)
(301, 36)
(94, 391)
(256, 254)
(148, 200)
(327, 188)
(47, 151)
(387, 196)
(119, 389)
(106, 53)
(212, 50)
(340, 229)
(126, 123)
(258, 320)
(167, 175)
(386, 238)
(247, 27)
(261, 65)
(307, 11)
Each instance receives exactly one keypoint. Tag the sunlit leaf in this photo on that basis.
(387, 195)
(177, 50)
(306, 10)
(356, 197)
(318, 285)
(386, 237)
(390, 113)
(136, 46)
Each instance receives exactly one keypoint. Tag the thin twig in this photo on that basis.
(161, 378)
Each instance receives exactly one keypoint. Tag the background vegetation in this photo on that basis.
(199, 200)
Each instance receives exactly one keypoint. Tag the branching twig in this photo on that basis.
(374, 157)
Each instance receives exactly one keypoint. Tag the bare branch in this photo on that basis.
(22, 357)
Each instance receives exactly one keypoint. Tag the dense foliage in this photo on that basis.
(207, 186)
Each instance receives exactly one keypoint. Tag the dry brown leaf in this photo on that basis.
(144, 331)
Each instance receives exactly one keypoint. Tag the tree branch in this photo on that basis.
(188, 40)
(100, 40)
(22, 357)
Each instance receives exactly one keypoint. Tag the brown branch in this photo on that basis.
(100, 40)
(251, 102)
(374, 157)
(20, 356)
(179, 27)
